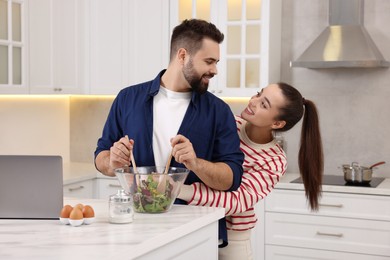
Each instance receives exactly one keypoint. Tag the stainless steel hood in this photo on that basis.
(345, 43)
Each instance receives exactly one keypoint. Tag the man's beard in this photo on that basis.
(194, 79)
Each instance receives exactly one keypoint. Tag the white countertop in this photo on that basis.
(382, 189)
(49, 239)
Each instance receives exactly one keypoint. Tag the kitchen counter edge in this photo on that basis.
(383, 189)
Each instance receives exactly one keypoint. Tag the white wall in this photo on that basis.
(34, 125)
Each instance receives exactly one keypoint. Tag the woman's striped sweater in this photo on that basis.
(264, 164)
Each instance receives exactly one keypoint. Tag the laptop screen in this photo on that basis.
(31, 186)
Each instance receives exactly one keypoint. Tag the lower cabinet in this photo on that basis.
(82, 189)
(347, 226)
(97, 188)
(295, 253)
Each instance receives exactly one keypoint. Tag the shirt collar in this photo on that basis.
(155, 87)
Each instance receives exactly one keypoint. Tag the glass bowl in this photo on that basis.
(152, 190)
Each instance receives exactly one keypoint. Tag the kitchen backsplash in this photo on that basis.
(59, 125)
(34, 125)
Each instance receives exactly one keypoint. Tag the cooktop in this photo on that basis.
(339, 181)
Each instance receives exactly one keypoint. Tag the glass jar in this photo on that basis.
(120, 208)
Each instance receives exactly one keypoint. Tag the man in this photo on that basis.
(174, 114)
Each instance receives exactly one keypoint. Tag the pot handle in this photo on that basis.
(376, 164)
(355, 165)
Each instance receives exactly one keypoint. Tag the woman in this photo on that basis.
(278, 107)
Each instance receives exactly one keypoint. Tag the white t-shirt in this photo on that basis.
(169, 108)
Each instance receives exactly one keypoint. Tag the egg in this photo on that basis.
(89, 215)
(76, 217)
(65, 211)
(64, 215)
(80, 206)
(88, 212)
(76, 213)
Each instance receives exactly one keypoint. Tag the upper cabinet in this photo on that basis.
(128, 43)
(56, 53)
(102, 46)
(13, 46)
(250, 53)
(81, 46)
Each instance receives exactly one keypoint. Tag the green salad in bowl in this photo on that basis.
(152, 190)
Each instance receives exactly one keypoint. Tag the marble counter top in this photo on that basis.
(382, 189)
(49, 239)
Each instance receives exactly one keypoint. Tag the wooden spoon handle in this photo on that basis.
(168, 163)
(132, 158)
(163, 179)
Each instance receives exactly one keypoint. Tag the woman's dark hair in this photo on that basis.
(310, 158)
(190, 34)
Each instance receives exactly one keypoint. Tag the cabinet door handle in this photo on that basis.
(114, 185)
(331, 205)
(76, 188)
(329, 234)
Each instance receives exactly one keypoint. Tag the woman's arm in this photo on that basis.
(258, 180)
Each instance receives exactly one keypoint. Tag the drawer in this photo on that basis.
(331, 204)
(328, 233)
(290, 253)
(82, 189)
(107, 187)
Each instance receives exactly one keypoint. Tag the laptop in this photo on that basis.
(31, 186)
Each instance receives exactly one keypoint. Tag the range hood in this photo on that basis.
(345, 43)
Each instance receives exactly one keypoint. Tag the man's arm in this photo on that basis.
(216, 175)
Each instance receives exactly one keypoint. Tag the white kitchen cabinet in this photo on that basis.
(128, 43)
(250, 52)
(90, 46)
(82, 189)
(294, 253)
(345, 225)
(56, 42)
(13, 50)
(94, 188)
(106, 187)
(258, 232)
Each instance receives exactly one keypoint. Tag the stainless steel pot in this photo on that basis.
(357, 174)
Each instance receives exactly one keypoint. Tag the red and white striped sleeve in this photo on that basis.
(262, 170)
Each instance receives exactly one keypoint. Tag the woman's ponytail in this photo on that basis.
(311, 158)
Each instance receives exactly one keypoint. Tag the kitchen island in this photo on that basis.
(185, 232)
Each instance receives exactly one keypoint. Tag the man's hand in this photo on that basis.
(118, 156)
(216, 175)
(120, 152)
(183, 152)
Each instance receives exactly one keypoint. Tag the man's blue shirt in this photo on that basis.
(208, 123)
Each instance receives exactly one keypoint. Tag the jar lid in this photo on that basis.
(120, 196)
